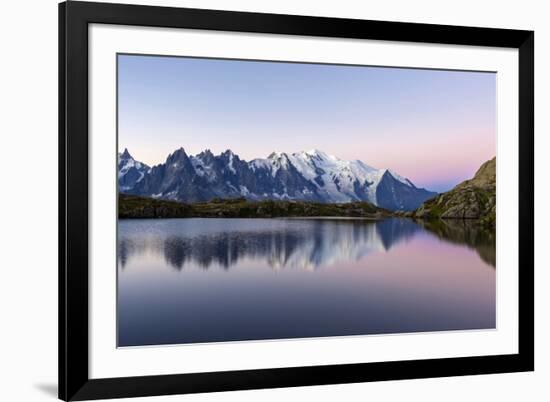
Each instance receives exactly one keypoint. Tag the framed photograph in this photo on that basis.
(256, 200)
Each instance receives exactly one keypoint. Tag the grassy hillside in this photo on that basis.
(471, 199)
(130, 206)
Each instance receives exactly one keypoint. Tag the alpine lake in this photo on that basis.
(195, 280)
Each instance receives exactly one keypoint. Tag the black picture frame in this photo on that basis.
(74, 381)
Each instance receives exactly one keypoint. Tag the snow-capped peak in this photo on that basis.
(311, 175)
(125, 154)
(315, 152)
(277, 155)
(402, 179)
(230, 155)
(278, 160)
(130, 171)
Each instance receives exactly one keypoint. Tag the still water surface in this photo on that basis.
(212, 280)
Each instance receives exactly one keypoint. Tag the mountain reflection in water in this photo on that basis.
(285, 243)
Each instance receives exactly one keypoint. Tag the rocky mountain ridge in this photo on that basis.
(311, 176)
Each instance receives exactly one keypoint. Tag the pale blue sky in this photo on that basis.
(434, 127)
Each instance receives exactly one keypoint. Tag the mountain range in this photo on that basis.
(303, 176)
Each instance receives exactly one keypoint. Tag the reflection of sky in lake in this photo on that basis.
(206, 280)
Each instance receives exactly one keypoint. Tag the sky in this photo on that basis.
(434, 127)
